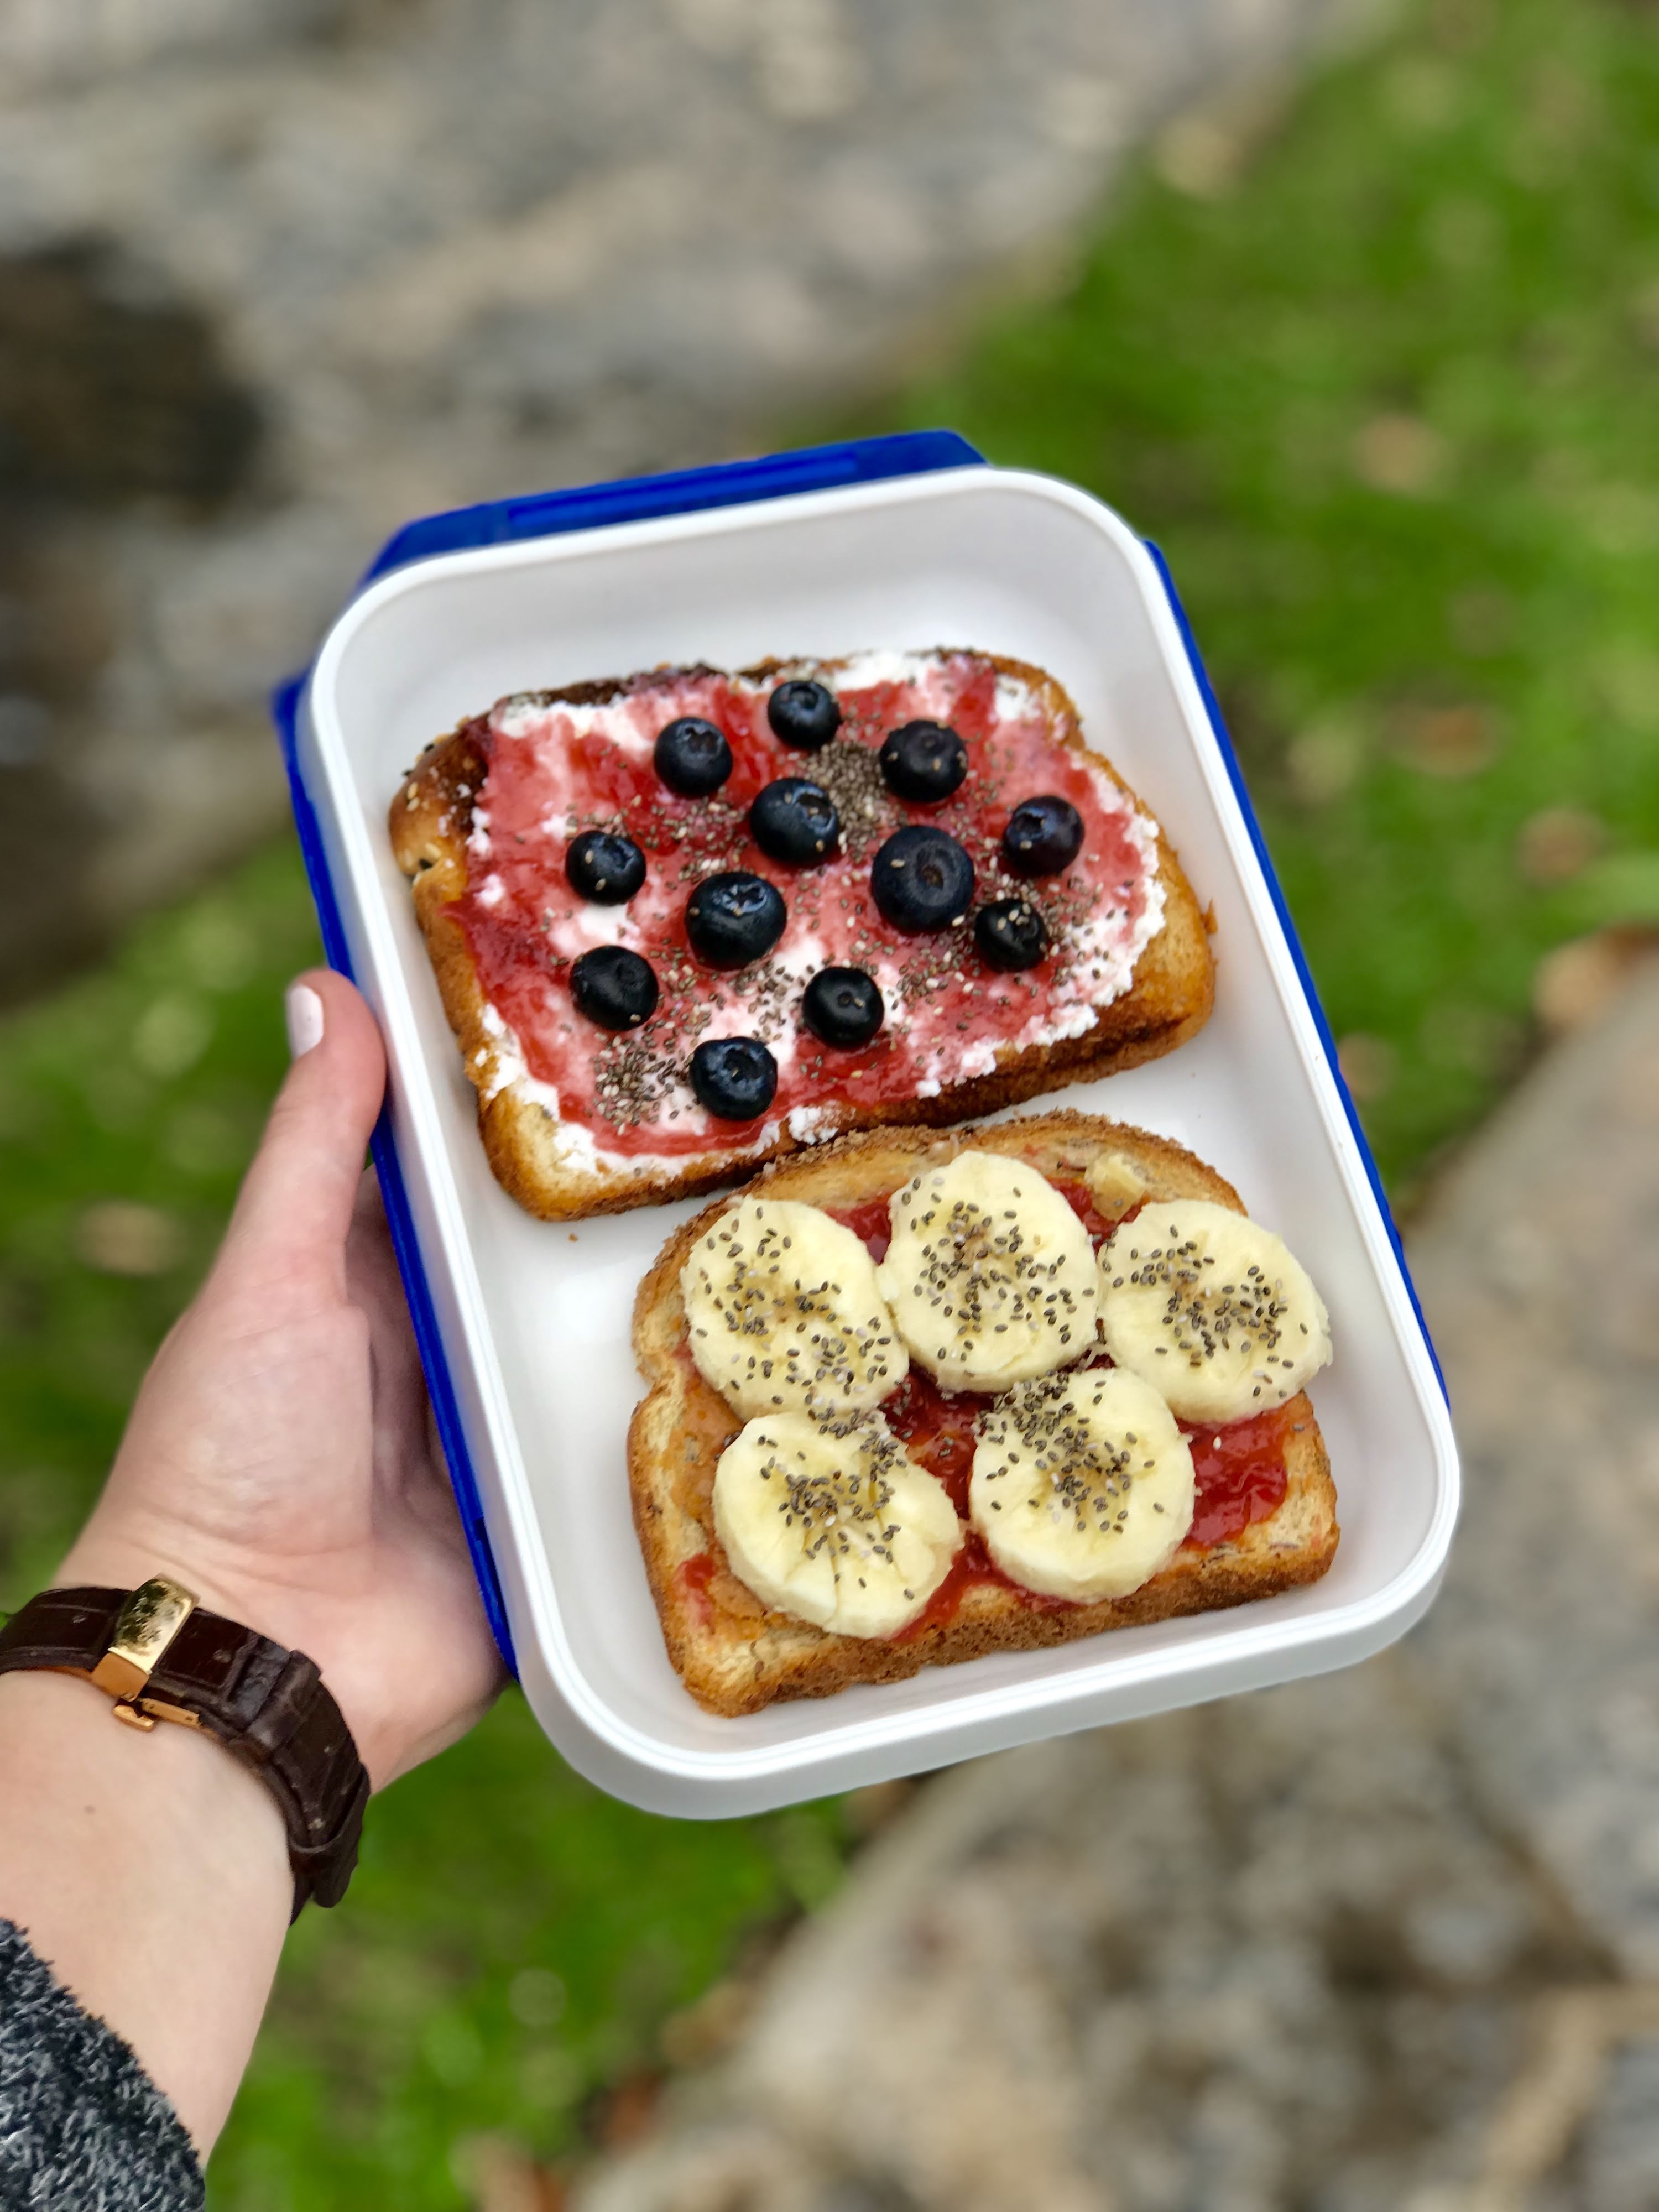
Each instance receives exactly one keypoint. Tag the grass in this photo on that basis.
(1383, 391)
(1380, 382)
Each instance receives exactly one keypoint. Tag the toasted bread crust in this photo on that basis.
(1169, 1002)
(733, 1656)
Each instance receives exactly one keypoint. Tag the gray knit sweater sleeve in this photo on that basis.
(83, 2127)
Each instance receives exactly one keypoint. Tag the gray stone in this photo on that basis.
(1381, 1939)
(276, 275)
(1621, 2162)
(1173, 1965)
(1541, 1271)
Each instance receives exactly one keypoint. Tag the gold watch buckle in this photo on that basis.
(144, 1629)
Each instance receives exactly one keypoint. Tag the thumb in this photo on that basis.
(289, 1231)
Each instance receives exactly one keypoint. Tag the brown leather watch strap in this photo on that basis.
(266, 1705)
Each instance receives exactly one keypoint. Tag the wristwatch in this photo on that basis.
(160, 1658)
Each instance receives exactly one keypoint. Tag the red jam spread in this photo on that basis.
(695, 1576)
(871, 1223)
(1240, 1473)
(1081, 1200)
(554, 770)
(937, 1427)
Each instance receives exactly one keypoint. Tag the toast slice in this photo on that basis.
(735, 1657)
(638, 1136)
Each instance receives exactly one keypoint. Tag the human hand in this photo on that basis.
(280, 1460)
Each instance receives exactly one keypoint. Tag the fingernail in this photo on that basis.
(304, 1011)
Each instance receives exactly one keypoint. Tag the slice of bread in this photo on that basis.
(733, 1654)
(561, 1168)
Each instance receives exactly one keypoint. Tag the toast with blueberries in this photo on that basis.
(689, 921)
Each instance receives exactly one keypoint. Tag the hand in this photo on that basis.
(280, 1460)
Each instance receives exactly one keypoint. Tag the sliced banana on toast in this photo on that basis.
(834, 1522)
(990, 1274)
(1083, 1485)
(785, 1312)
(1210, 1309)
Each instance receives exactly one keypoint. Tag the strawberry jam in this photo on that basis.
(553, 770)
(937, 1429)
(1240, 1473)
(695, 1576)
(974, 1567)
(1081, 1200)
(871, 1223)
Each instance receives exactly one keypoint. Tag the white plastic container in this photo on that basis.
(526, 1324)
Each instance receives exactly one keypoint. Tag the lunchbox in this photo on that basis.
(911, 541)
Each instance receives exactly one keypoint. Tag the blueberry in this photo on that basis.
(795, 822)
(605, 868)
(734, 917)
(1010, 934)
(804, 715)
(842, 1006)
(735, 1078)
(1043, 836)
(921, 879)
(614, 988)
(691, 756)
(924, 761)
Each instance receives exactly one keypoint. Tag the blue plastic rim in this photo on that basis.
(637, 499)
(682, 491)
(441, 1388)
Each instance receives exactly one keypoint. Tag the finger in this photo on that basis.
(371, 1264)
(374, 1280)
(375, 1287)
(288, 1232)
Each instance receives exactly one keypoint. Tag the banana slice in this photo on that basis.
(1082, 1485)
(990, 1274)
(1116, 1182)
(834, 1522)
(1211, 1310)
(785, 1314)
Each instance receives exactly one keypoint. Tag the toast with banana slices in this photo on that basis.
(918, 1397)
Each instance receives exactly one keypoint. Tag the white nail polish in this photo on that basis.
(304, 1011)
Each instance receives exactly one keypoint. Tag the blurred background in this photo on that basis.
(1355, 309)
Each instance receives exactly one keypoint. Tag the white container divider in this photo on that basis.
(526, 1324)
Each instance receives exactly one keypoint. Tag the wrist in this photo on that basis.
(182, 1801)
(118, 1552)
(165, 1661)
(358, 1610)
(150, 1872)
(121, 1551)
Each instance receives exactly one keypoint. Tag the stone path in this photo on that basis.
(1386, 1940)
(277, 274)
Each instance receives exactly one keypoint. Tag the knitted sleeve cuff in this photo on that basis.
(81, 2124)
